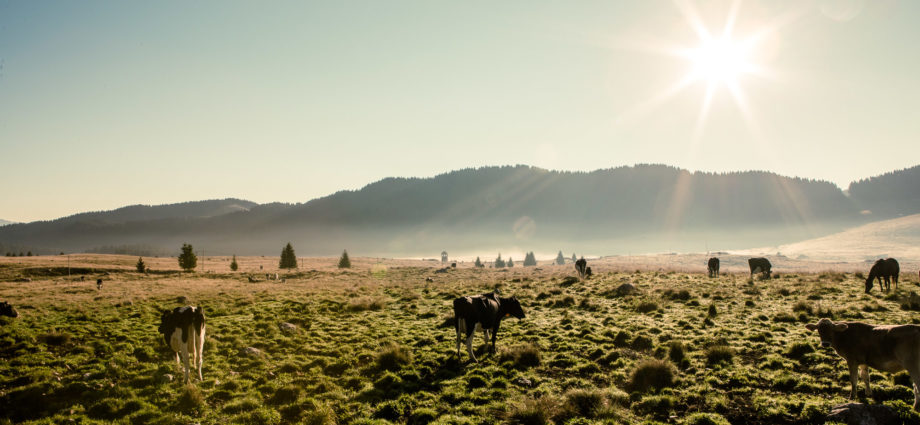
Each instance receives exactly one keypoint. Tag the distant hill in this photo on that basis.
(898, 237)
(891, 194)
(5, 222)
(641, 208)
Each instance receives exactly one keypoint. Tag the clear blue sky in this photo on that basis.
(105, 104)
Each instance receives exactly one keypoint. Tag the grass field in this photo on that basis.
(375, 344)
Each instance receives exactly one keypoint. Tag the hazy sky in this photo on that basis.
(106, 104)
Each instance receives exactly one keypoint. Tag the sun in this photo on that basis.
(721, 61)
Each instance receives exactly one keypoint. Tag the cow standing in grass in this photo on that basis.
(484, 312)
(887, 269)
(183, 330)
(761, 265)
(6, 309)
(889, 348)
(581, 267)
(713, 266)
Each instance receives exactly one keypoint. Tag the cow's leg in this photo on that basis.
(458, 324)
(200, 352)
(853, 379)
(864, 373)
(913, 369)
(485, 336)
(495, 333)
(183, 351)
(470, 330)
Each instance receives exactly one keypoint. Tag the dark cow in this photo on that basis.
(6, 309)
(713, 266)
(588, 272)
(581, 267)
(889, 348)
(484, 312)
(887, 269)
(183, 330)
(98, 284)
(760, 264)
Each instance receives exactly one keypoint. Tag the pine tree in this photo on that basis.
(478, 263)
(188, 260)
(530, 259)
(29, 254)
(560, 260)
(233, 265)
(510, 262)
(140, 266)
(574, 258)
(288, 258)
(499, 263)
(344, 262)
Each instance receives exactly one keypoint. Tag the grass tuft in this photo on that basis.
(651, 375)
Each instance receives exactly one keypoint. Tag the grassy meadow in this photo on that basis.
(375, 344)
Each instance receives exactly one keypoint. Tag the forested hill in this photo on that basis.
(654, 207)
(893, 194)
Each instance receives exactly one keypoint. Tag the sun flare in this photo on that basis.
(720, 61)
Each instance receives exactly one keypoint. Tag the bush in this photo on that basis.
(233, 264)
(187, 259)
(393, 357)
(585, 402)
(718, 354)
(533, 411)
(642, 343)
(799, 349)
(523, 356)
(367, 303)
(190, 399)
(140, 266)
(658, 406)
(651, 374)
(706, 419)
(803, 307)
(647, 306)
(676, 352)
(422, 416)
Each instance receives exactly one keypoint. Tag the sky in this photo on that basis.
(107, 104)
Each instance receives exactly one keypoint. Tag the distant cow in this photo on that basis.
(887, 269)
(760, 264)
(889, 348)
(183, 330)
(713, 266)
(6, 309)
(588, 272)
(580, 267)
(484, 312)
(99, 284)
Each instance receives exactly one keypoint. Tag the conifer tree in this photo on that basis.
(233, 265)
(344, 262)
(499, 263)
(478, 263)
(288, 258)
(187, 259)
(140, 266)
(560, 260)
(530, 259)
(510, 262)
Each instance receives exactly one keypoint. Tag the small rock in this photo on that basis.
(429, 280)
(252, 352)
(167, 377)
(863, 414)
(524, 382)
(287, 327)
(182, 300)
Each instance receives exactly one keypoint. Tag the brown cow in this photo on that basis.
(889, 348)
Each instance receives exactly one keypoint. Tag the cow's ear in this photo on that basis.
(839, 327)
(811, 326)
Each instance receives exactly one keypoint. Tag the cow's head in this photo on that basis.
(513, 307)
(826, 329)
(869, 284)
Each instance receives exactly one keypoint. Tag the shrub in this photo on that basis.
(718, 354)
(187, 259)
(190, 399)
(393, 357)
(711, 312)
(285, 395)
(140, 266)
(584, 402)
(523, 356)
(533, 411)
(233, 264)
(676, 351)
(368, 303)
(55, 338)
(799, 349)
(642, 343)
(422, 416)
(803, 307)
(658, 406)
(646, 306)
(651, 374)
(706, 419)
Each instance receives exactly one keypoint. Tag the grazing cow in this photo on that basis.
(99, 284)
(588, 272)
(887, 269)
(713, 266)
(6, 309)
(889, 348)
(429, 280)
(580, 267)
(484, 312)
(183, 330)
(760, 264)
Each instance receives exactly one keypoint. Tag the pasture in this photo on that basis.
(376, 344)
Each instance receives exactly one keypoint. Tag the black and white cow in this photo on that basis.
(760, 265)
(6, 309)
(183, 330)
(99, 284)
(484, 312)
(581, 267)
